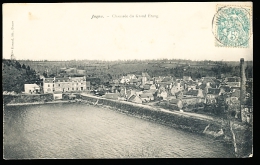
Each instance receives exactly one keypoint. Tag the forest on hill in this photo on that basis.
(107, 70)
(15, 75)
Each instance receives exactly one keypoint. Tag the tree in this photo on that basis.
(23, 66)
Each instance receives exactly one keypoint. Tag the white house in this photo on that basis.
(31, 88)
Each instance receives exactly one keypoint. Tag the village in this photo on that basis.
(207, 95)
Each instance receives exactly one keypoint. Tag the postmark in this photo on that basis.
(232, 26)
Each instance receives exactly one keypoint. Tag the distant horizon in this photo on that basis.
(159, 59)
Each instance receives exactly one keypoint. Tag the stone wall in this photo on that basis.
(27, 98)
(218, 130)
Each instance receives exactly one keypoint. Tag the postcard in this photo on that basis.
(127, 80)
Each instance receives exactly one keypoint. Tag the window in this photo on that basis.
(53, 85)
(68, 89)
(77, 89)
(73, 89)
(77, 83)
(82, 88)
(48, 85)
(59, 85)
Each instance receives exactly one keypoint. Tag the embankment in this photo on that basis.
(24, 98)
(199, 124)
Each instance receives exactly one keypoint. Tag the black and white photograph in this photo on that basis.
(127, 80)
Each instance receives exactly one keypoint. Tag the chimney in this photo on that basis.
(242, 87)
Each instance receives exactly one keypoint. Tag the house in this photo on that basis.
(157, 79)
(225, 89)
(163, 94)
(71, 70)
(193, 93)
(133, 81)
(125, 79)
(113, 96)
(179, 95)
(131, 76)
(211, 95)
(235, 95)
(57, 96)
(146, 97)
(48, 85)
(79, 71)
(153, 91)
(129, 93)
(31, 88)
(146, 87)
(145, 78)
(186, 78)
(232, 81)
(190, 85)
(192, 100)
(88, 85)
(177, 103)
(122, 92)
(135, 99)
(68, 84)
(65, 84)
(177, 86)
(247, 114)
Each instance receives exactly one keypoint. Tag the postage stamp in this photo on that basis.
(232, 26)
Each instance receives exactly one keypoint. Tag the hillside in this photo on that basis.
(161, 67)
(15, 75)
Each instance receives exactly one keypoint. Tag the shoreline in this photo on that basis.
(194, 123)
(38, 103)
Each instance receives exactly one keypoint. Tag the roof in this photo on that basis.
(236, 93)
(206, 80)
(144, 95)
(150, 91)
(225, 88)
(213, 91)
(145, 74)
(31, 86)
(178, 93)
(77, 78)
(65, 79)
(133, 97)
(146, 86)
(192, 92)
(174, 101)
(167, 79)
(233, 79)
(48, 80)
(130, 75)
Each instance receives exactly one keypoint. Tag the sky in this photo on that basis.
(66, 31)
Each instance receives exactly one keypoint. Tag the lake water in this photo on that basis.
(83, 131)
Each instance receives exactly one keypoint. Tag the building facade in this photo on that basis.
(66, 84)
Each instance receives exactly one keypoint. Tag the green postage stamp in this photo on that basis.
(232, 26)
